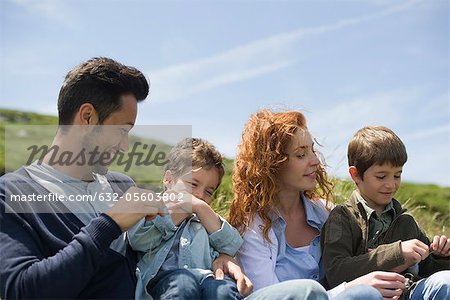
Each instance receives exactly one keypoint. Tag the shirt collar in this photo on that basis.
(316, 214)
(369, 211)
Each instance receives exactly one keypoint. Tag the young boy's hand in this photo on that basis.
(414, 251)
(179, 205)
(440, 246)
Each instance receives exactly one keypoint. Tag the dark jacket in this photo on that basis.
(53, 254)
(344, 244)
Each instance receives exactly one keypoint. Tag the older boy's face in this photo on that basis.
(201, 182)
(379, 185)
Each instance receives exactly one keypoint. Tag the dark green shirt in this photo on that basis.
(378, 224)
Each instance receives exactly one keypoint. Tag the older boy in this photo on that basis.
(178, 249)
(371, 231)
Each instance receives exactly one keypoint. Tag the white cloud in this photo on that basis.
(443, 131)
(54, 10)
(245, 62)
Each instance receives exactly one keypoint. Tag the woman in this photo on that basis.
(279, 184)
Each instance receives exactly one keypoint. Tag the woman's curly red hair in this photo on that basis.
(260, 157)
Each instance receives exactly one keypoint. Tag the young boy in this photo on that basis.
(178, 249)
(372, 232)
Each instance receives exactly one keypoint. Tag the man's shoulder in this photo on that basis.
(118, 177)
(119, 181)
(17, 174)
(15, 179)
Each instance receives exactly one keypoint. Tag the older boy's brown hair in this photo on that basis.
(192, 153)
(375, 145)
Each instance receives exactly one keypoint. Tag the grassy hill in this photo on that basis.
(430, 204)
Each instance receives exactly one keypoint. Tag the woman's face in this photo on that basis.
(299, 172)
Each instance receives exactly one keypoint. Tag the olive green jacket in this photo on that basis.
(344, 244)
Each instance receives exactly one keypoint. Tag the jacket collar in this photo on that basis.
(353, 202)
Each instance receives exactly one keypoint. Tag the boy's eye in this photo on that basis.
(301, 155)
(380, 177)
(397, 176)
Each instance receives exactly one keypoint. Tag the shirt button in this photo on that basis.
(185, 266)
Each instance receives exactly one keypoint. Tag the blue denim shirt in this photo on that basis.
(269, 263)
(197, 248)
(295, 264)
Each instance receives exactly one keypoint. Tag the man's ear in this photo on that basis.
(86, 115)
(168, 179)
(354, 174)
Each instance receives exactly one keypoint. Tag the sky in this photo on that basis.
(211, 64)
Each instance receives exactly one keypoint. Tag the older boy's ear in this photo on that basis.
(168, 179)
(354, 174)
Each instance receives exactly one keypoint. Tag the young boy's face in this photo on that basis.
(379, 184)
(201, 182)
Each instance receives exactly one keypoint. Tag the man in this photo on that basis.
(65, 249)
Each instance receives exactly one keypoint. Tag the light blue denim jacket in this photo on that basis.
(197, 249)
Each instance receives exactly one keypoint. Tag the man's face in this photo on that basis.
(111, 137)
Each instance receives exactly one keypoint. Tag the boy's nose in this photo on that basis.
(198, 194)
(390, 184)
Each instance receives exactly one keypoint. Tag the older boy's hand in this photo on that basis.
(389, 284)
(226, 264)
(414, 251)
(440, 246)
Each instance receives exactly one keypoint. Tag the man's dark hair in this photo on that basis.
(101, 82)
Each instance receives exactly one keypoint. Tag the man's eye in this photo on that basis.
(381, 177)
